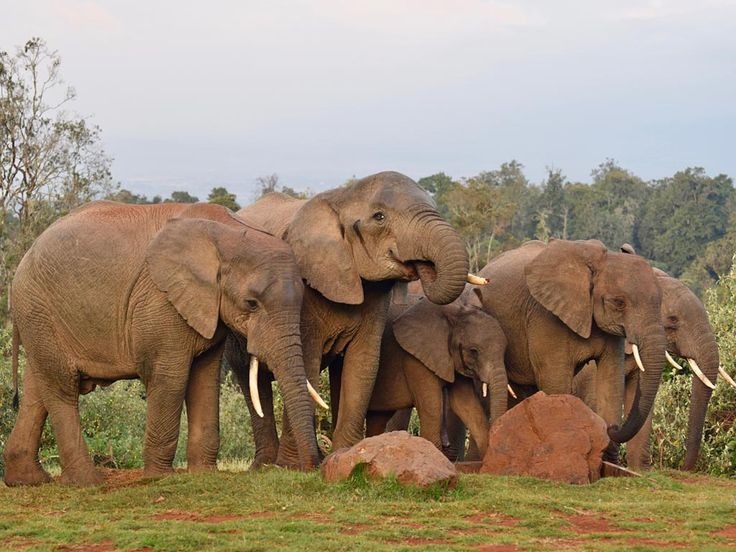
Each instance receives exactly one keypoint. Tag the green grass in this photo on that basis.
(276, 509)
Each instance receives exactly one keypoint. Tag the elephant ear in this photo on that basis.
(325, 259)
(560, 278)
(183, 262)
(423, 331)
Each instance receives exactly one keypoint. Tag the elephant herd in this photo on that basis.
(285, 288)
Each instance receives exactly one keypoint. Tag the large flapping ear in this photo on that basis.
(183, 262)
(423, 331)
(560, 278)
(325, 259)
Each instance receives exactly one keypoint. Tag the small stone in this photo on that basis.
(412, 460)
(553, 437)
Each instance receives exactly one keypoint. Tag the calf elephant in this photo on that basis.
(116, 291)
(352, 244)
(428, 348)
(565, 303)
(690, 336)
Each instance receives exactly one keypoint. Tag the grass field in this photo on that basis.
(281, 510)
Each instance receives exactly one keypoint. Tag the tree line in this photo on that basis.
(52, 160)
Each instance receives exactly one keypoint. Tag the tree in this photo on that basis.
(182, 197)
(126, 196)
(50, 160)
(267, 184)
(221, 196)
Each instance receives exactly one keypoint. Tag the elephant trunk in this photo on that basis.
(707, 359)
(651, 347)
(287, 365)
(499, 393)
(441, 260)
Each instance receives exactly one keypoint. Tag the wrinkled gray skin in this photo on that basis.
(352, 244)
(565, 303)
(428, 349)
(116, 291)
(689, 335)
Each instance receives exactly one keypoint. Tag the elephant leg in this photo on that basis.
(335, 369)
(358, 378)
(61, 398)
(637, 449)
(400, 420)
(429, 409)
(203, 410)
(609, 392)
(455, 429)
(466, 404)
(165, 391)
(22, 466)
(376, 421)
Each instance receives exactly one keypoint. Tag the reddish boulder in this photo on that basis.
(412, 460)
(548, 436)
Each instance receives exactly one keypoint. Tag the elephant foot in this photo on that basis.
(263, 459)
(30, 474)
(81, 477)
(201, 467)
(150, 472)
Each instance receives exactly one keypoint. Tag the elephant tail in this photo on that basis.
(16, 344)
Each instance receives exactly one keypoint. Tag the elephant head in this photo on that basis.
(211, 271)
(457, 338)
(382, 227)
(582, 283)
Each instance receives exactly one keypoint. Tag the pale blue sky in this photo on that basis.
(192, 95)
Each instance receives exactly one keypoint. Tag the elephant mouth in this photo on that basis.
(419, 270)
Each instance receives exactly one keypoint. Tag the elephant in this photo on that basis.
(689, 335)
(427, 349)
(114, 291)
(352, 244)
(564, 303)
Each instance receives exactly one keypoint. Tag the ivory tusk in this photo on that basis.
(725, 376)
(511, 391)
(477, 280)
(698, 372)
(253, 385)
(637, 358)
(671, 360)
(313, 393)
(485, 390)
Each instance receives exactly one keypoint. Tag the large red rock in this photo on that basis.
(412, 460)
(548, 436)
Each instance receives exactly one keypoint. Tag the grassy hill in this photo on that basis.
(281, 510)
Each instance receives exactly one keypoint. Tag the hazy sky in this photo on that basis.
(192, 95)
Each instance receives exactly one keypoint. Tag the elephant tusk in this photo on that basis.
(477, 280)
(671, 360)
(313, 393)
(511, 391)
(485, 390)
(698, 372)
(253, 385)
(725, 376)
(637, 358)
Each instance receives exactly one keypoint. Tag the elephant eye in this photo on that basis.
(252, 305)
(379, 216)
(618, 303)
(473, 352)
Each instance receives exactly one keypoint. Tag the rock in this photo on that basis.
(412, 460)
(552, 437)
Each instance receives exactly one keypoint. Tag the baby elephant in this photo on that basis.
(427, 348)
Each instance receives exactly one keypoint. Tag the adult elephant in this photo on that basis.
(115, 291)
(428, 349)
(352, 244)
(690, 336)
(565, 303)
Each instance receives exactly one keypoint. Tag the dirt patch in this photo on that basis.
(221, 518)
(116, 479)
(728, 532)
(173, 515)
(654, 543)
(419, 541)
(496, 548)
(354, 528)
(105, 546)
(256, 515)
(21, 543)
(312, 516)
(177, 516)
(493, 518)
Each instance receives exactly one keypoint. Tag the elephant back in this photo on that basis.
(272, 213)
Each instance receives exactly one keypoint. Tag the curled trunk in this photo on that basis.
(651, 348)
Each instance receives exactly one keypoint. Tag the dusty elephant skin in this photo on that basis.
(552, 437)
(115, 291)
(429, 348)
(412, 460)
(352, 244)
